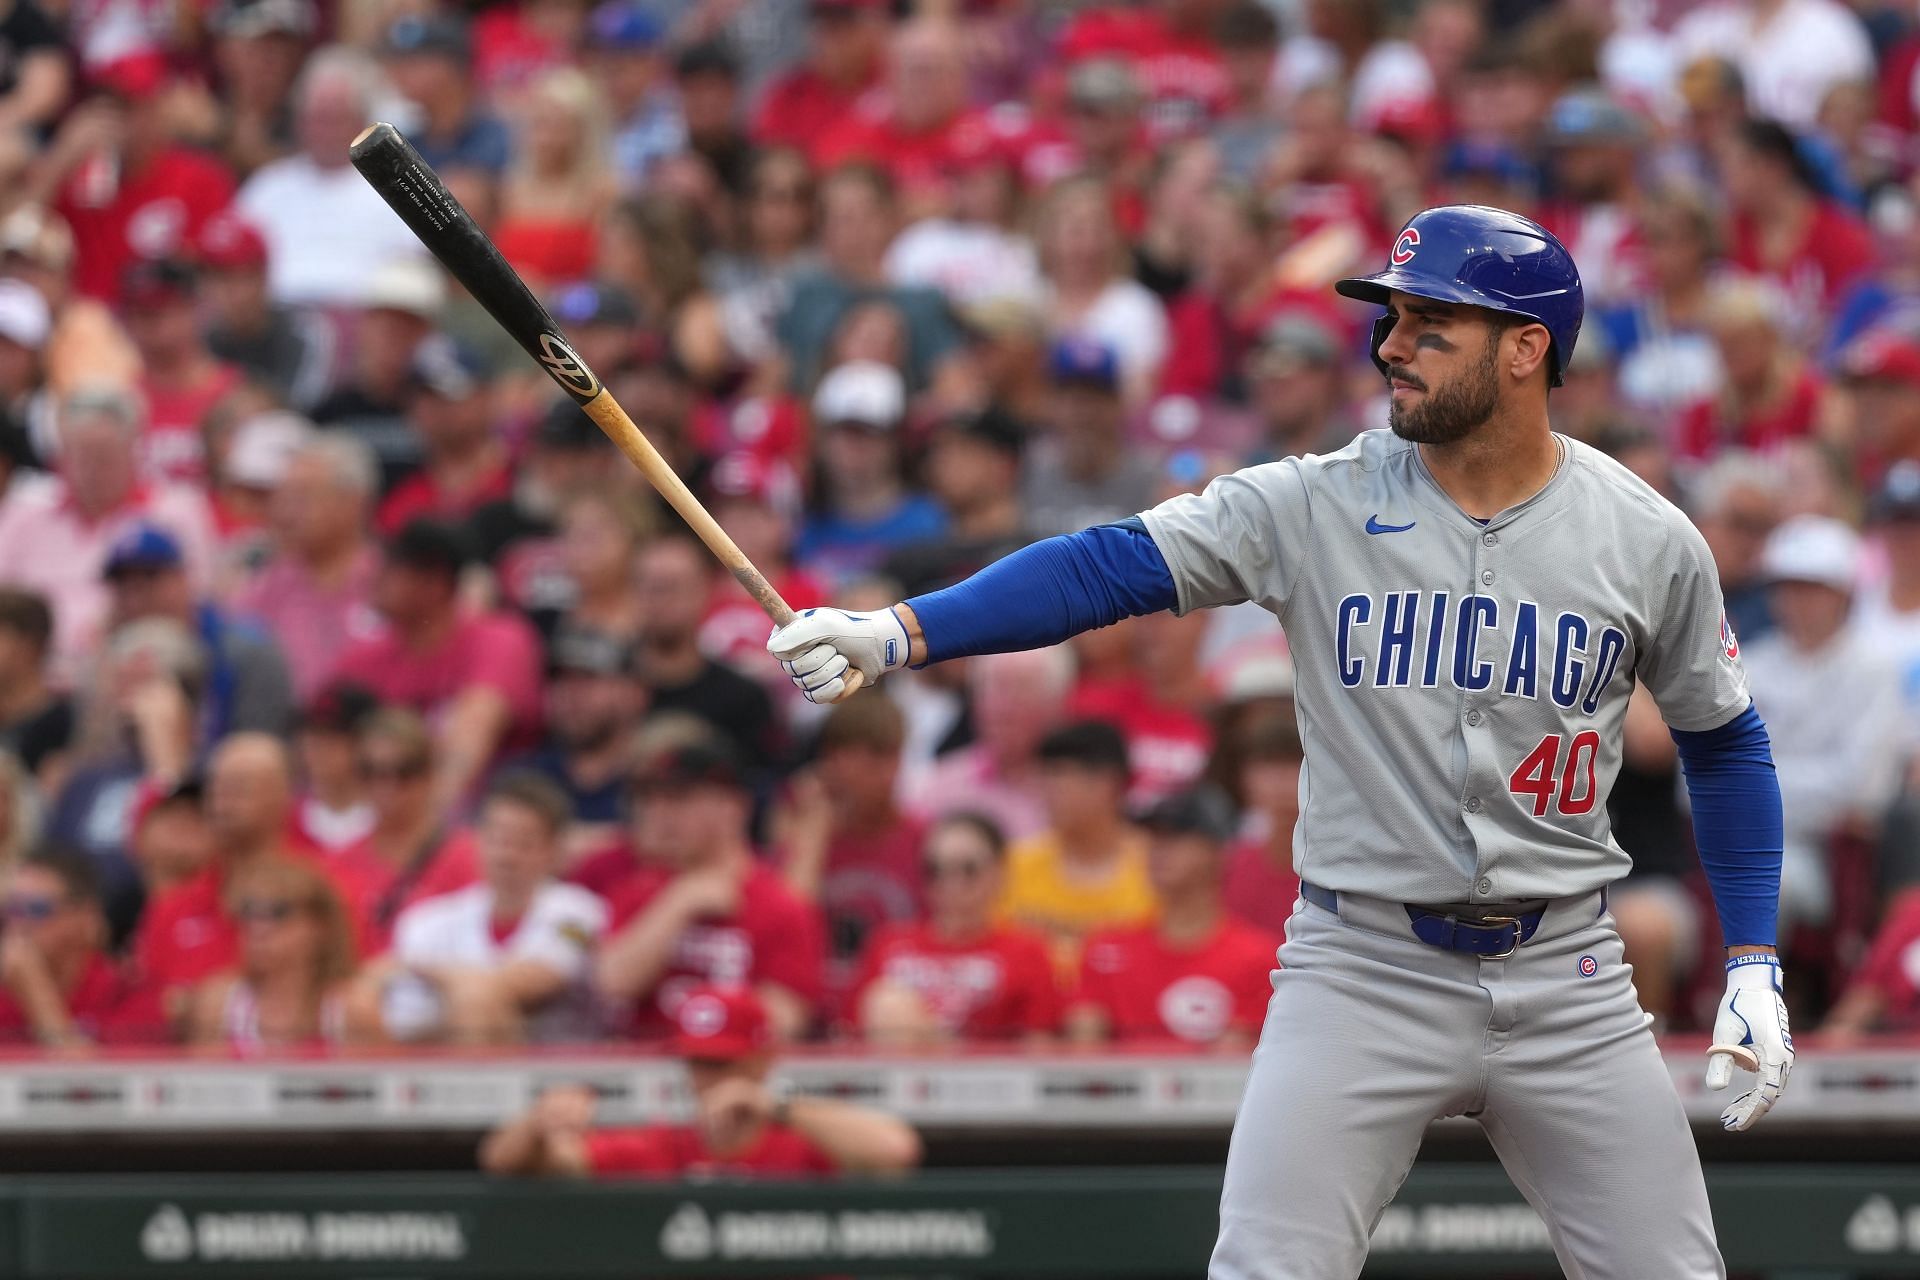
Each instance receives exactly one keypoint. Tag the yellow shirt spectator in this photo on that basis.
(1067, 900)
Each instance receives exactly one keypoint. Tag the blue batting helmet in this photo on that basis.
(1482, 257)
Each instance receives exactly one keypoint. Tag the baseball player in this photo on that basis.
(1469, 599)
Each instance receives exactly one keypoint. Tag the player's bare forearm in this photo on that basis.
(1751, 950)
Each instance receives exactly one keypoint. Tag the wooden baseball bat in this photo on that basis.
(408, 183)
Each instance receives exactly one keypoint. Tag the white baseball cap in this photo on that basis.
(24, 318)
(863, 391)
(263, 448)
(411, 285)
(1813, 549)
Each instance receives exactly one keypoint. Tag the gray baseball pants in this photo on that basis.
(1372, 1033)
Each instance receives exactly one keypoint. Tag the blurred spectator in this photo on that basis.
(1259, 884)
(865, 507)
(1248, 37)
(958, 975)
(180, 378)
(1769, 392)
(592, 702)
(258, 47)
(675, 580)
(706, 75)
(1784, 227)
(846, 46)
(848, 847)
(413, 851)
(290, 352)
(474, 676)
(328, 232)
(60, 988)
(334, 811)
(1594, 145)
(1017, 700)
(400, 304)
(1148, 684)
(25, 325)
(36, 722)
(36, 78)
(974, 252)
(1736, 504)
(910, 130)
(858, 220)
(1214, 323)
(1881, 369)
(430, 60)
(1197, 974)
(502, 961)
(1889, 611)
(1078, 472)
(1294, 384)
(140, 722)
(740, 1128)
(451, 407)
(247, 684)
(1667, 359)
(1884, 992)
(1088, 870)
(1830, 703)
(127, 189)
(188, 933)
(753, 282)
(1162, 252)
(757, 502)
(593, 586)
(626, 65)
(315, 591)
(291, 961)
(973, 472)
(703, 908)
(1790, 52)
(54, 538)
(1654, 908)
(1090, 298)
(559, 185)
(168, 833)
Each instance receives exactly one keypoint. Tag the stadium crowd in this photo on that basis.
(355, 691)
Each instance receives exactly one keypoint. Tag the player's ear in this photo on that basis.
(1527, 347)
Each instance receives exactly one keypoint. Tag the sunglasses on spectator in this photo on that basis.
(385, 771)
(967, 869)
(30, 908)
(266, 910)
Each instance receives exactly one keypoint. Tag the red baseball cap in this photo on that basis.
(229, 242)
(135, 76)
(720, 1024)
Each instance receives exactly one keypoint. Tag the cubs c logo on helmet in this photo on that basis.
(1403, 247)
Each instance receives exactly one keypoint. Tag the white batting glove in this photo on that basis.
(819, 647)
(1751, 1030)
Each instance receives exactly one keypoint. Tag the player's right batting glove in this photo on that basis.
(1751, 1030)
(819, 646)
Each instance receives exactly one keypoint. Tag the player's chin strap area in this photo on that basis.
(1492, 937)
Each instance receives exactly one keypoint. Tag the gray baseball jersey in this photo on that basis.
(1460, 686)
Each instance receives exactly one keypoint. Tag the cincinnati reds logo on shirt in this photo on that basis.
(1196, 1008)
(569, 368)
(1729, 641)
(1403, 247)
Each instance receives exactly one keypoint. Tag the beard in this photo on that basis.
(1450, 414)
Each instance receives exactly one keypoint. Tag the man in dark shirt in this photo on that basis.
(591, 698)
(293, 354)
(399, 310)
(431, 62)
(36, 724)
(973, 469)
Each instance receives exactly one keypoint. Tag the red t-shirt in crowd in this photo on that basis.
(918, 162)
(137, 216)
(771, 937)
(1892, 966)
(1149, 989)
(493, 650)
(171, 448)
(672, 1151)
(869, 881)
(987, 988)
(1704, 428)
(607, 871)
(421, 496)
(376, 889)
(1167, 745)
(104, 1006)
(801, 107)
(1836, 250)
(1258, 889)
(1184, 76)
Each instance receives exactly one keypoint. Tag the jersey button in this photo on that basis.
(1486, 579)
(1473, 804)
(1473, 717)
(1485, 885)
(1491, 540)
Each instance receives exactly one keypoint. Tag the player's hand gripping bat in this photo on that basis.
(407, 183)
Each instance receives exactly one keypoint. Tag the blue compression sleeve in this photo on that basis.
(1044, 593)
(1736, 824)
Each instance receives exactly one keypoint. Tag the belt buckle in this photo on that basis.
(1511, 946)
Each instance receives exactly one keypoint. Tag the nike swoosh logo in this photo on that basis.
(1374, 526)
